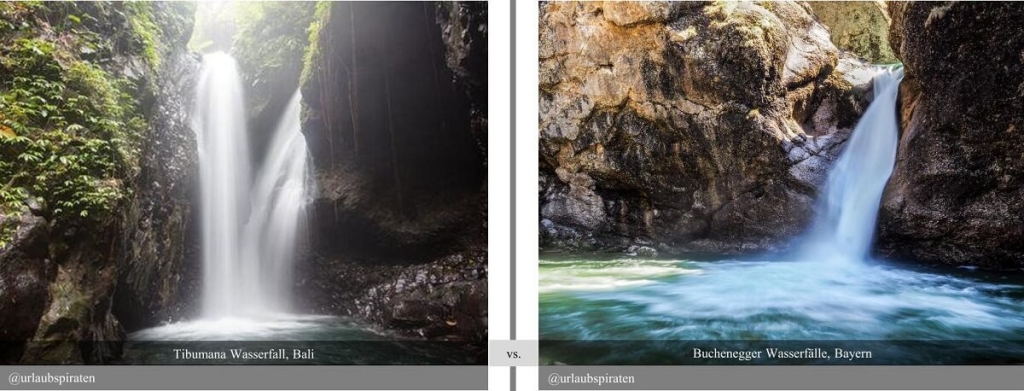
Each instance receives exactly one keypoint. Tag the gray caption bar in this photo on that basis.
(782, 377)
(136, 377)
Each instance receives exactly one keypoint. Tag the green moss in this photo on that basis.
(8, 226)
(312, 55)
(140, 14)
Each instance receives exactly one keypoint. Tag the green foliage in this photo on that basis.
(272, 35)
(214, 27)
(269, 44)
(145, 31)
(70, 125)
(312, 53)
(7, 230)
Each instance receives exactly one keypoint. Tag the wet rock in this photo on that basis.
(700, 126)
(642, 251)
(76, 325)
(442, 298)
(157, 250)
(25, 270)
(956, 194)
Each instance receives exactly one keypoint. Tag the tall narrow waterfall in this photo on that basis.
(846, 224)
(278, 198)
(224, 180)
(249, 219)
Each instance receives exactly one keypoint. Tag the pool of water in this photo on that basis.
(608, 298)
(272, 327)
(332, 340)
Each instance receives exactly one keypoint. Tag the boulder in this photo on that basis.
(703, 127)
(25, 270)
(956, 195)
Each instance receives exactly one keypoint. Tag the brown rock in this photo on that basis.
(704, 127)
(861, 27)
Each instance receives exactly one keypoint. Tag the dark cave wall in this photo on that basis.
(396, 157)
(394, 97)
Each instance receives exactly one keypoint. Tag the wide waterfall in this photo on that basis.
(249, 218)
(845, 224)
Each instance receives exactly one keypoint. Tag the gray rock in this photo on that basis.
(956, 195)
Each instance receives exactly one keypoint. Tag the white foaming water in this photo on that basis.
(249, 220)
(778, 300)
(267, 327)
(846, 224)
(618, 273)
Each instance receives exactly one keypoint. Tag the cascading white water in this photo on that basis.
(278, 197)
(249, 220)
(845, 226)
(224, 181)
(251, 216)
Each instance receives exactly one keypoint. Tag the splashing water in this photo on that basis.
(846, 224)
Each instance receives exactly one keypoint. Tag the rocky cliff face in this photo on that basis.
(25, 273)
(159, 270)
(688, 126)
(82, 87)
(861, 27)
(395, 119)
(956, 195)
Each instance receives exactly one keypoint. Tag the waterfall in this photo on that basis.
(249, 219)
(278, 198)
(224, 180)
(846, 224)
